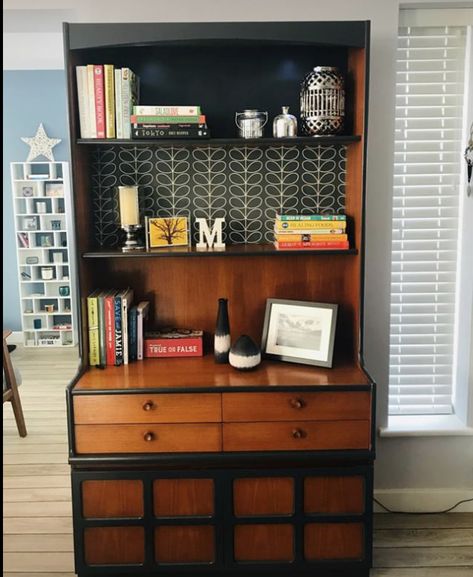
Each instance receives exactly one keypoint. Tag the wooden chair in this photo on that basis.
(10, 387)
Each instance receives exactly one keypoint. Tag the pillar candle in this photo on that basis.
(129, 208)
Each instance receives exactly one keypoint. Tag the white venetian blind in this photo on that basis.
(428, 164)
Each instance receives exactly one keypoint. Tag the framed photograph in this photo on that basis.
(167, 232)
(30, 223)
(53, 189)
(299, 331)
(27, 190)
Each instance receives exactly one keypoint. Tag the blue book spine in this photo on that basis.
(118, 331)
(133, 334)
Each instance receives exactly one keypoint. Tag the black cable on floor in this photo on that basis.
(422, 512)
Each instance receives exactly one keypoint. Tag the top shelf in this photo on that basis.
(306, 140)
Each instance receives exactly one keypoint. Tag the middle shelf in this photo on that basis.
(230, 250)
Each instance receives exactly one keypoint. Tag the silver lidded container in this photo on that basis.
(323, 101)
(285, 124)
(250, 123)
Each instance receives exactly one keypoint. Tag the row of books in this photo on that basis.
(149, 122)
(116, 327)
(311, 232)
(106, 96)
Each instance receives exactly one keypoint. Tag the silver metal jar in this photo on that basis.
(250, 123)
(323, 101)
(285, 124)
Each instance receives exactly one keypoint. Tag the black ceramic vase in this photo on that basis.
(245, 354)
(222, 340)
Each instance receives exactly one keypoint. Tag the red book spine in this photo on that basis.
(110, 330)
(312, 244)
(191, 347)
(99, 91)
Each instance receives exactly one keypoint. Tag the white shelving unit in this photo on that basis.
(41, 201)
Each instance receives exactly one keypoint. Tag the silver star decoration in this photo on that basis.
(41, 145)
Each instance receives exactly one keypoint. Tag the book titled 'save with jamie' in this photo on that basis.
(173, 343)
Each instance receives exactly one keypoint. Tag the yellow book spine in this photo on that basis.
(307, 225)
(93, 319)
(311, 237)
(109, 80)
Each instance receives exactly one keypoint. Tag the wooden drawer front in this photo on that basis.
(148, 438)
(333, 541)
(340, 495)
(296, 436)
(300, 406)
(133, 408)
(114, 545)
(112, 498)
(184, 544)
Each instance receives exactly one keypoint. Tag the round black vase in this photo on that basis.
(222, 342)
(245, 355)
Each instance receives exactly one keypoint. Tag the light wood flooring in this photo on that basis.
(37, 525)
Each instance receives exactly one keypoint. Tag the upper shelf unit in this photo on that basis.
(224, 69)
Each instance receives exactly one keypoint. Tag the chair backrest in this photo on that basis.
(10, 387)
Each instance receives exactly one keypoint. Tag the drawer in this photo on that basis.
(139, 408)
(296, 436)
(300, 406)
(148, 438)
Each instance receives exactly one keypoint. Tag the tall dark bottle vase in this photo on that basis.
(222, 341)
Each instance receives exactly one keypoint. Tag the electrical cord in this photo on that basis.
(422, 512)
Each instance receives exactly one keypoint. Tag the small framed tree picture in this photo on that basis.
(167, 231)
(299, 331)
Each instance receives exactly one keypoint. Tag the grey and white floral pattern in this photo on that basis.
(245, 185)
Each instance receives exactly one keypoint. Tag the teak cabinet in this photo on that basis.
(187, 467)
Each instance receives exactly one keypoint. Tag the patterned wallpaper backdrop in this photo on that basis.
(246, 185)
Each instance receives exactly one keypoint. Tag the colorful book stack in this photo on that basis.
(115, 327)
(106, 96)
(151, 122)
(311, 232)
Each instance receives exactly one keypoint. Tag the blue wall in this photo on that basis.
(29, 98)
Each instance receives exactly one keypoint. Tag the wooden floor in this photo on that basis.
(37, 522)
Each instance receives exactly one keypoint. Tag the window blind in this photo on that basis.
(427, 169)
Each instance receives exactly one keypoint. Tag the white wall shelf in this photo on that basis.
(41, 200)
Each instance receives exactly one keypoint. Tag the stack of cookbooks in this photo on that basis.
(310, 231)
(150, 122)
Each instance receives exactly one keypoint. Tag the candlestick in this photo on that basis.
(129, 207)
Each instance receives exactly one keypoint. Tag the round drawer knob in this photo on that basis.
(148, 437)
(297, 403)
(148, 406)
(298, 433)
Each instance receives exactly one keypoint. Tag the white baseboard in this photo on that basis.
(423, 500)
(16, 338)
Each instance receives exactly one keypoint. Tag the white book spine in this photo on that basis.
(126, 102)
(83, 101)
(118, 102)
(167, 110)
(91, 93)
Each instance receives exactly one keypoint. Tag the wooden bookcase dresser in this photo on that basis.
(187, 467)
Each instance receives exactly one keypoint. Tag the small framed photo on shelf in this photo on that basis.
(54, 189)
(45, 240)
(27, 190)
(299, 332)
(30, 223)
(167, 231)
